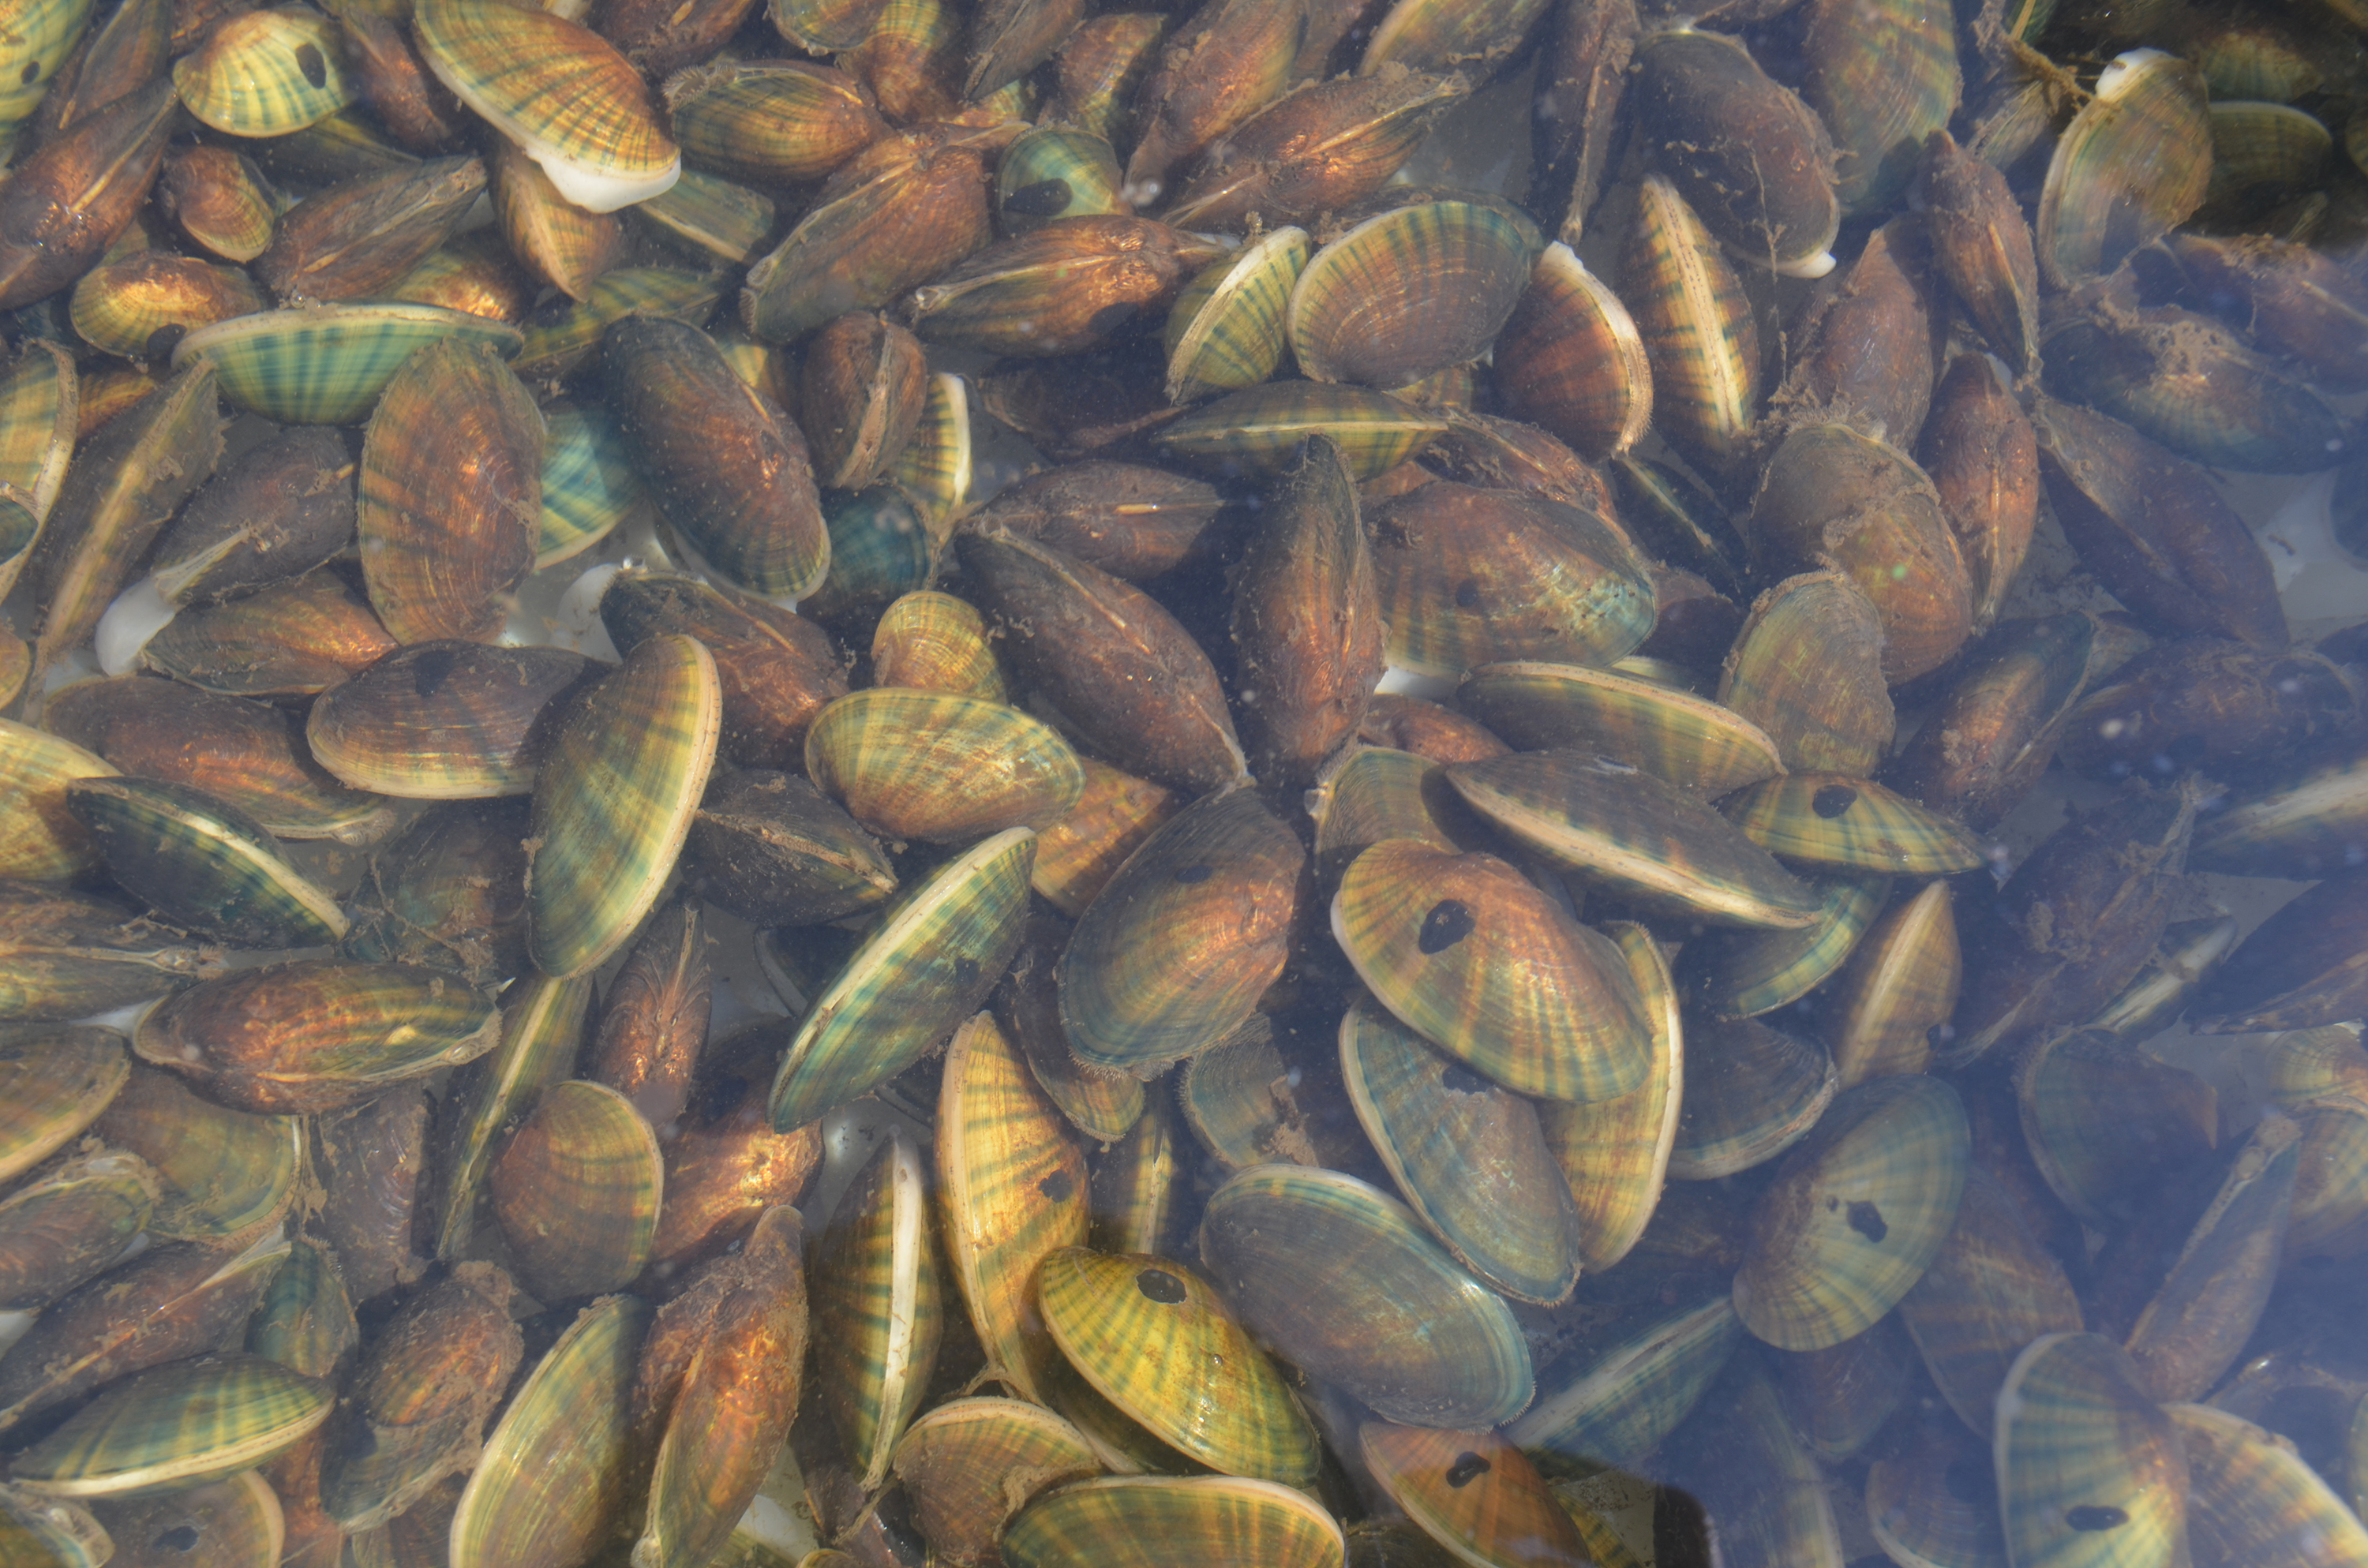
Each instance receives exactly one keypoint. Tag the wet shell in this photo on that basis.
(1615, 1153)
(1741, 975)
(267, 72)
(2252, 1499)
(1699, 339)
(878, 1291)
(941, 766)
(203, 864)
(558, 90)
(62, 1228)
(1469, 1157)
(2132, 166)
(326, 364)
(1900, 986)
(1828, 820)
(1408, 292)
(42, 840)
(970, 1464)
(225, 1176)
(614, 801)
(2089, 1469)
(1572, 362)
(1616, 1406)
(1400, 1327)
(576, 1192)
(1173, 1522)
(1154, 1340)
(1229, 330)
(175, 1426)
(1753, 1092)
(54, 1082)
(929, 963)
(1260, 428)
(448, 721)
(1857, 1213)
(770, 849)
(1407, 914)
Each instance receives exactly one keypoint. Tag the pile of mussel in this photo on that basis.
(898, 784)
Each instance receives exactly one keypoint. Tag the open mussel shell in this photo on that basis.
(1401, 1327)
(2251, 1498)
(940, 766)
(1472, 1492)
(876, 1288)
(1454, 944)
(326, 364)
(1014, 1193)
(1752, 1092)
(54, 1082)
(1857, 1213)
(1469, 1157)
(2133, 165)
(2107, 1166)
(1259, 429)
(1152, 1337)
(1623, 829)
(203, 864)
(970, 1464)
(551, 1483)
(317, 1034)
(1219, 884)
(1611, 1408)
(2090, 1471)
(932, 959)
(1741, 975)
(177, 1426)
(576, 1192)
(560, 91)
(614, 801)
(1173, 1522)
(1695, 744)
(1826, 820)
(1407, 292)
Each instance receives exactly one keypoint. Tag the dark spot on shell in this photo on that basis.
(1057, 1187)
(32, 74)
(1968, 1480)
(163, 340)
(1160, 1286)
(1449, 922)
(315, 69)
(1192, 876)
(1462, 1080)
(1045, 198)
(180, 1537)
(1468, 1467)
(965, 972)
(1833, 801)
(431, 669)
(2095, 1516)
(1867, 1220)
(1467, 594)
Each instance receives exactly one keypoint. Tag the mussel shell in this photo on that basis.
(1695, 744)
(227, 1177)
(267, 73)
(1625, 830)
(1014, 1193)
(1884, 1169)
(1469, 1157)
(725, 1166)
(1154, 1340)
(934, 642)
(327, 364)
(448, 892)
(1470, 577)
(1407, 292)
(770, 849)
(614, 799)
(1272, 1092)
(2133, 165)
(203, 864)
(174, 1426)
(1475, 1493)
(236, 1520)
(941, 766)
(1401, 1327)
(292, 639)
(931, 962)
(876, 1288)
(769, 121)
(2252, 1499)
(42, 840)
(1614, 1153)
(2090, 1470)
(1228, 329)
(2298, 968)
(1741, 975)
(1806, 668)
(54, 1081)
(970, 1464)
(1935, 1505)
(316, 1034)
(2106, 1168)
(1898, 988)
(59, 1229)
(1614, 1407)
(549, 1487)
(1175, 952)
(577, 1190)
(1260, 428)
(1829, 821)
(1752, 1093)
(1173, 1522)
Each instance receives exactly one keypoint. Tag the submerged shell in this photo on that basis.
(2090, 1471)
